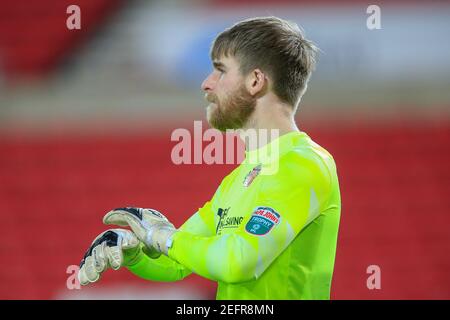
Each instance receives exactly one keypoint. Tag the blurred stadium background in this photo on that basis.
(86, 117)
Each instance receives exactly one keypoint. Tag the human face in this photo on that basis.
(231, 105)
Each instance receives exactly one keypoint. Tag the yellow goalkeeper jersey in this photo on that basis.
(270, 230)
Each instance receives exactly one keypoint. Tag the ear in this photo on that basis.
(256, 82)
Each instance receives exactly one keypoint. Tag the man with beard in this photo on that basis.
(265, 234)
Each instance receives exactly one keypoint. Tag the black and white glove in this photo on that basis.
(150, 226)
(113, 248)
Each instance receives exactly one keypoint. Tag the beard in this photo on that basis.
(231, 113)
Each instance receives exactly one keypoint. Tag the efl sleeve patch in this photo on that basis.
(263, 219)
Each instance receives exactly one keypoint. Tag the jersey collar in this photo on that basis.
(274, 149)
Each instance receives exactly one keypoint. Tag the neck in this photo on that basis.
(270, 120)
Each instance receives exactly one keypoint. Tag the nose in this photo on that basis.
(208, 83)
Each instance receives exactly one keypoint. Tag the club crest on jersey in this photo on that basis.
(252, 175)
(262, 221)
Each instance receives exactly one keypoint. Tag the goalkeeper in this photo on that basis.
(265, 234)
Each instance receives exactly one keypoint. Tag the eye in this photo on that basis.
(220, 73)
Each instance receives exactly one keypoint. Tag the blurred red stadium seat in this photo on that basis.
(394, 204)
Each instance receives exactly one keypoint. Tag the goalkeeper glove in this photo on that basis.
(113, 248)
(150, 226)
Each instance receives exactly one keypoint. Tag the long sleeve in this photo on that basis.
(160, 269)
(166, 269)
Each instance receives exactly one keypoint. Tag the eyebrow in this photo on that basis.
(219, 65)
